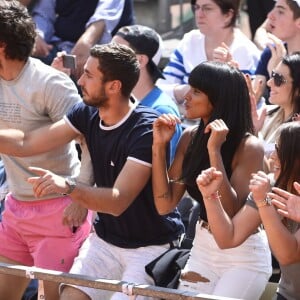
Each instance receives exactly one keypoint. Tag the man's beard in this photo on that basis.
(99, 101)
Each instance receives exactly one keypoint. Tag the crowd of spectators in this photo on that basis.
(124, 143)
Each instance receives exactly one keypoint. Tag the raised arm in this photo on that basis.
(227, 232)
(167, 187)
(261, 35)
(97, 30)
(17, 143)
(82, 47)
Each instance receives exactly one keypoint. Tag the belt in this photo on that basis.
(205, 225)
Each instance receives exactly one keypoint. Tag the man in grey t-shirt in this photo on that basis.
(32, 95)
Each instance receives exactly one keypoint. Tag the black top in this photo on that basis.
(110, 148)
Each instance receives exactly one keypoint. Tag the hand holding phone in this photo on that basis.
(69, 61)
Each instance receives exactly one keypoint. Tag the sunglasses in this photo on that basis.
(278, 79)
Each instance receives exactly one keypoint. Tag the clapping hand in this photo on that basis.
(258, 117)
(288, 204)
(278, 51)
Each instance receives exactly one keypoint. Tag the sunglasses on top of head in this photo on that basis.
(278, 78)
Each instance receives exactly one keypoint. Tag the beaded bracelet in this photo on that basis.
(214, 196)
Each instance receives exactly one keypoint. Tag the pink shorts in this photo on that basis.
(32, 233)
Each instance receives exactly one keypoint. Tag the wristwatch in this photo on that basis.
(71, 183)
(265, 202)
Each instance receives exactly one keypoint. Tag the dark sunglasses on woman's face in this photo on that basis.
(278, 79)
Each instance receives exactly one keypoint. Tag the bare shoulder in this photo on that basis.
(248, 158)
(253, 142)
(190, 130)
(250, 146)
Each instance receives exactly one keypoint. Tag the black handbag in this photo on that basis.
(165, 269)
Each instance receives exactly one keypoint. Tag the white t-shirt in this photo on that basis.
(39, 96)
(191, 51)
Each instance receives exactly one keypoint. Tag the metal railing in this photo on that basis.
(104, 284)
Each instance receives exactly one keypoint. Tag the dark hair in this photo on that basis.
(295, 8)
(226, 6)
(228, 93)
(289, 155)
(118, 62)
(292, 61)
(17, 30)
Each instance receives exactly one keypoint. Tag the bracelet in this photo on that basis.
(214, 196)
(266, 202)
(177, 181)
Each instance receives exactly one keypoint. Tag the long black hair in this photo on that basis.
(228, 93)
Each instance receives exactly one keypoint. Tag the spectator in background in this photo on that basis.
(285, 99)
(75, 26)
(284, 38)
(215, 39)
(147, 44)
(33, 94)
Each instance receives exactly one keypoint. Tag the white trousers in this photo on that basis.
(241, 272)
(103, 260)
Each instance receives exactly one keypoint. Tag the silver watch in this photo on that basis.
(71, 183)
